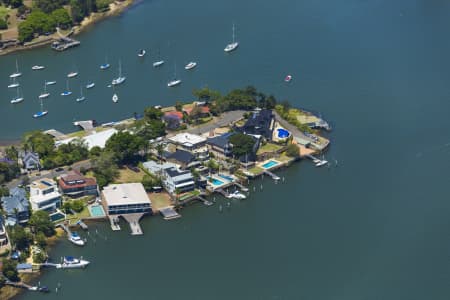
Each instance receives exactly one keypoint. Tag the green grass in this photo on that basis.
(128, 176)
(269, 147)
(189, 195)
(3, 12)
(160, 200)
(83, 214)
(256, 170)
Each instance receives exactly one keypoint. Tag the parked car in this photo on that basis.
(59, 169)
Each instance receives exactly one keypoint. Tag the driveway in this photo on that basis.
(223, 120)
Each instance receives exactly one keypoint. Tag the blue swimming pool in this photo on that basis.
(229, 178)
(283, 133)
(215, 181)
(97, 211)
(269, 164)
(57, 216)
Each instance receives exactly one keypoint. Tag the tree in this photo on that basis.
(4, 191)
(39, 142)
(77, 205)
(242, 144)
(12, 153)
(151, 113)
(39, 257)
(40, 222)
(124, 146)
(41, 240)
(9, 270)
(293, 150)
(206, 94)
(26, 32)
(105, 169)
(48, 6)
(61, 18)
(149, 182)
(16, 3)
(160, 150)
(19, 237)
(95, 151)
(3, 24)
(179, 106)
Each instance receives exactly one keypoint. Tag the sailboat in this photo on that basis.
(175, 81)
(106, 65)
(81, 98)
(120, 79)
(72, 74)
(67, 92)
(190, 65)
(37, 67)
(17, 73)
(141, 53)
(45, 94)
(18, 99)
(90, 85)
(50, 82)
(233, 45)
(115, 98)
(40, 113)
(159, 62)
(14, 84)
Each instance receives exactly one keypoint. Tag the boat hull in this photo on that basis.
(231, 47)
(174, 83)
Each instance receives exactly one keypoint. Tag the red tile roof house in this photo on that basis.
(203, 109)
(74, 184)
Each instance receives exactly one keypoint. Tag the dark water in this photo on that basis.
(375, 227)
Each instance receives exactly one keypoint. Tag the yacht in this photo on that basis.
(37, 67)
(321, 163)
(14, 84)
(18, 99)
(40, 113)
(141, 53)
(159, 62)
(288, 78)
(45, 94)
(70, 262)
(237, 195)
(72, 74)
(67, 92)
(233, 45)
(120, 79)
(50, 82)
(115, 98)
(75, 238)
(81, 98)
(17, 73)
(90, 85)
(175, 81)
(190, 65)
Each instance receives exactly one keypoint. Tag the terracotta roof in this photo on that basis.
(176, 113)
(78, 179)
(188, 110)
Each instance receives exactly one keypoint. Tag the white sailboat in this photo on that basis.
(72, 74)
(37, 67)
(14, 84)
(115, 98)
(17, 73)
(233, 45)
(190, 65)
(106, 65)
(40, 113)
(18, 99)
(120, 79)
(50, 82)
(81, 98)
(141, 53)
(45, 94)
(67, 92)
(90, 85)
(159, 62)
(175, 81)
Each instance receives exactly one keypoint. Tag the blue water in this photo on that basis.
(269, 164)
(229, 178)
(283, 133)
(97, 211)
(215, 181)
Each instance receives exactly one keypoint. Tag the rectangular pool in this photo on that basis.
(57, 216)
(269, 164)
(229, 178)
(97, 211)
(215, 181)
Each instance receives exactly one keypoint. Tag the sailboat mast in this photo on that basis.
(233, 33)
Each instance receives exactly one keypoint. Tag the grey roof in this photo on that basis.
(179, 175)
(155, 167)
(182, 156)
(17, 199)
(220, 141)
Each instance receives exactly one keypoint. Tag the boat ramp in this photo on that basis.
(87, 126)
(64, 43)
(56, 134)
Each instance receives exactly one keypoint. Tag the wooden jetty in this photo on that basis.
(22, 285)
(87, 126)
(56, 134)
(64, 43)
(274, 177)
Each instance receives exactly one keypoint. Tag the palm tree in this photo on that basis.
(160, 151)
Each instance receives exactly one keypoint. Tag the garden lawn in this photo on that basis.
(128, 176)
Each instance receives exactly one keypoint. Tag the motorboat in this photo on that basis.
(72, 74)
(288, 78)
(173, 83)
(141, 53)
(70, 262)
(50, 82)
(45, 94)
(104, 66)
(37, 67)
(115, 98)
(75, 238)
(233, 45)
(321, 163)
(120, 79)
(17, 73)
(158, 63)
(90, 85)
(237, 195)
(190, 65)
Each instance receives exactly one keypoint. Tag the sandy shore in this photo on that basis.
(115, 9)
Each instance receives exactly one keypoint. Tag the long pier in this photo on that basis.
(22, 285)
(274, 177)
(64, 43)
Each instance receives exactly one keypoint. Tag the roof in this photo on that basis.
(155, 167)
(188, 110)
(43, 183)
(16, 200)
(74, 179)
(187, 139)
(24, 266)
(220, 141)
(259, 123)
(98, 139)
(126, 193)
(182, 156)
(174, 113)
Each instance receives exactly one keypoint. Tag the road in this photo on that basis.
(224, 120)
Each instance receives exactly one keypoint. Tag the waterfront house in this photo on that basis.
(44, 195)
(97, 139)
(260, 122)
(24, 268)
(76, 185)
(155, 168)
(193, 143)
(16, 207)
(177, 179)
(126, 198)
(220, 145)
(173, 119)
(196, 111)
(3, 235)
(184, 158)
(29, 160)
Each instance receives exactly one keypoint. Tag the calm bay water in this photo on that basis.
(374, 227)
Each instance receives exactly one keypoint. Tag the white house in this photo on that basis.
(96, 139)
(127, 198)
(44, 195)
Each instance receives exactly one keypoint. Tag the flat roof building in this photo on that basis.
(188, 140)
(44, 195)
(96, 139)
(126, 198)
(76, 185)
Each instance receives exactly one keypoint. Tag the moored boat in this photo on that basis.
(141, 53)
(75, 238)
(288, 78)
(233, 45)
(50, 82)
(72, 74)
(190, 65)
(90, 85)
(37, 67)
(120, 79)
(17, 73)
(173, 83)
(158, 63)
(115, 98)
(70, 262)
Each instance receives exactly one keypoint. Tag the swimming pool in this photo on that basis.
(283, 133)
(215, 181)
(269, 164)
(97, 211)
(57, 216)
(229, 178)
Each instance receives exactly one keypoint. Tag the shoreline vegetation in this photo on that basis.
(115, 8)
(146, 137)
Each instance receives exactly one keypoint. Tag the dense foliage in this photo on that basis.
(124, 146)
(149, 182)
(242, 144)
(40, 222)
(20, 239)
(104, 167)
(9, 269)
(8, 171)
(151, 126)
(292, 150)
(75, 205)
(3, 24)
(12, 3)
